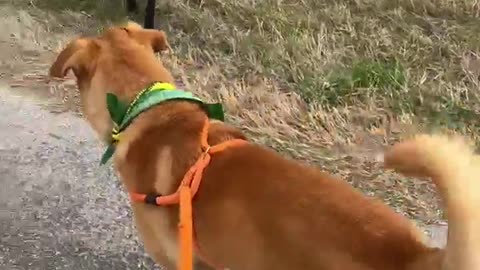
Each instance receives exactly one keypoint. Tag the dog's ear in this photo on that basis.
(159, 41)
(156, 39)
(72, 57)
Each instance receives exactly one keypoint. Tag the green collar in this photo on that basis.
(122, 114)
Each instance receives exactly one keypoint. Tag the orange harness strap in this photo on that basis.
(184, 195)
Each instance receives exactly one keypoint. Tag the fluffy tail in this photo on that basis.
(455, 170)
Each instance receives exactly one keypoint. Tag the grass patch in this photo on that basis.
(338, 53)
(365, 81)
(404, 57)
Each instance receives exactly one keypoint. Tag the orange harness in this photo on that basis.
(183, 196)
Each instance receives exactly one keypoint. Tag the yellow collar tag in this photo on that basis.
(161, 86)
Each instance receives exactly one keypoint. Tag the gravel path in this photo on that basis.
(58, 208)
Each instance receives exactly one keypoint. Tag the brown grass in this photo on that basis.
(328, 82)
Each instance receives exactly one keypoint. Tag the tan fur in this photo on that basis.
(256, 210)
(451, 163)
(157, 234)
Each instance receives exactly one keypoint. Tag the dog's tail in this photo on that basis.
(455, 169)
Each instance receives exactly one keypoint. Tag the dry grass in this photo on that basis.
(328, 82)
(341, 63)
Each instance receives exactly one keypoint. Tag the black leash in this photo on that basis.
(149, 22)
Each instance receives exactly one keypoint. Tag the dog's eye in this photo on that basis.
(126, 30)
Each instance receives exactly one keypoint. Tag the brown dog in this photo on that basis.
(256, 210)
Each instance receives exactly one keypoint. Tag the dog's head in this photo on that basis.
(121, 61)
